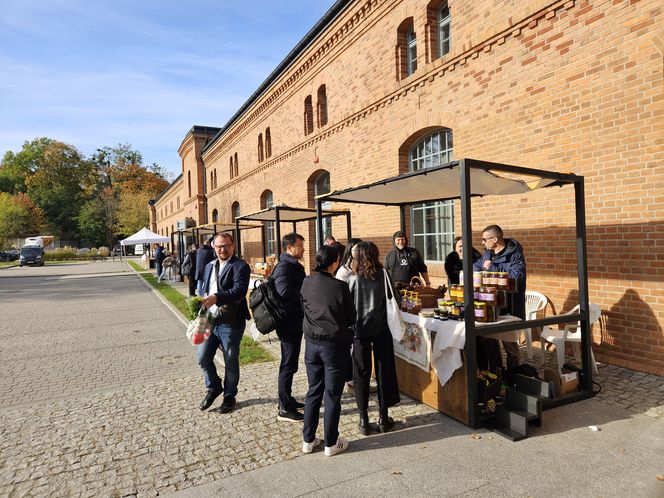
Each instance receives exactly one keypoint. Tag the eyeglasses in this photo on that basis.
(488, 238)
(223, 246)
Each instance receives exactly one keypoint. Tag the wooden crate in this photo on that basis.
(450, 399)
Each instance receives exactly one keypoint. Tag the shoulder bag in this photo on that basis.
(394, 319)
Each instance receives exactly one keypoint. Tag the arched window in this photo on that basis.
(406, 49)
(321, 106)
(267, 201)
(308, 116)
(260, 147)
(236, 169)
(235, 210)
(438, 27)
(211, 180)
(268, 143)
(178, 202)
(432, 223)
(322, 186)
(231, 169)
(215, 216)
(189, 182)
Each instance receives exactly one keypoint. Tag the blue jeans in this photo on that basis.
(228, 337)
(199, 288)
(327, 370)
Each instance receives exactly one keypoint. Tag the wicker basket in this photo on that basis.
(428, 295)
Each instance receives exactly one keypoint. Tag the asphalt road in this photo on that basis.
(69, 330)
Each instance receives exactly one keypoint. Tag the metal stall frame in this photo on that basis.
(295, 215)
(209, 229)
(465, 193)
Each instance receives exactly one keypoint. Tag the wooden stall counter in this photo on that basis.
(430, 363)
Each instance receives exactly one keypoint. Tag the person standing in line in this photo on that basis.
(225, 283)
(505, 255)
(189, 269)
(372, 336)
(159, 257)
(167, 266)
(345, 269)
(328, 316)
(403, 262)
(204, 255)
(288, 276)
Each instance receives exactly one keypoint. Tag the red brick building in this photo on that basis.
(377, 88)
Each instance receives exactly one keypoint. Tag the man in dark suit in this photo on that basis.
(225, 289)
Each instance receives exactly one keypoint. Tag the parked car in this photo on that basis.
(10, 255)
(31, 255)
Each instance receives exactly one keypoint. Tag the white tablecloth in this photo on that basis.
(451, 339)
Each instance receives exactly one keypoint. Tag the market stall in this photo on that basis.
(286, 214)
(444, 375)
(201, 232)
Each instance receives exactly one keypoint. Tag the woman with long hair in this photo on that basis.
(372, 336)
(328, 316)
(345, 268)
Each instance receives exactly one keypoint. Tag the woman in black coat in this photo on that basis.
(328, 315)
(454, 262)
(372, 335)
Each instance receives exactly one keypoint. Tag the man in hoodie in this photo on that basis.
(403, 262)
(506, 255)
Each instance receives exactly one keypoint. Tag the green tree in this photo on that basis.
(16, 168)
(60, 185)
(19, 217)
(133, 211)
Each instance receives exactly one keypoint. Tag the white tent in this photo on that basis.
(144, 236)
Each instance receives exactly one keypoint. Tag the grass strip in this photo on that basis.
(250, 350)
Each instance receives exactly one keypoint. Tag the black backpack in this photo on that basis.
(268, 308)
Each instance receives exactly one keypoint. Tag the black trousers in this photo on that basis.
(291, 343)
(326, 373)
(386, 371)
(192, 285)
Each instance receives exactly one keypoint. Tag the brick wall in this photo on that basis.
(570, 86)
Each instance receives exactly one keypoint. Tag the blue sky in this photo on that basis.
(103, 72)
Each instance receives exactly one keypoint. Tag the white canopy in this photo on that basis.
(438, 183)
(144, 236)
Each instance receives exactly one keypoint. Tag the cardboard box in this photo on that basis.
(563, 384)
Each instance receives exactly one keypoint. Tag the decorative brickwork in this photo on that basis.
(560, 85)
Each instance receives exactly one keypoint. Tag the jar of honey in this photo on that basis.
(503, 280)
(477, 279)
(480, 311)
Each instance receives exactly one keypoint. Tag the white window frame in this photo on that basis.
(411, 51)
(318, 190)
(433, 233)
(270, 228)
(444, 31)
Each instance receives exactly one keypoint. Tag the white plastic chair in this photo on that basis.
(534, 303)
(571, 333)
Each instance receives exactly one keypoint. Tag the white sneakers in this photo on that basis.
(309, 447)
(342, 445)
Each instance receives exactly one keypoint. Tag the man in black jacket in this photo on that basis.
(204, 255)
(288, 276)
(189, 269)
(403, 262)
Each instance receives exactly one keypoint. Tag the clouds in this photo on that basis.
(101, 73)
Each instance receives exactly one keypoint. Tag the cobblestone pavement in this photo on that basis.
(136, 429)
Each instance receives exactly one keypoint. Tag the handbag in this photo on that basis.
(198, 329)
(394, 319)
